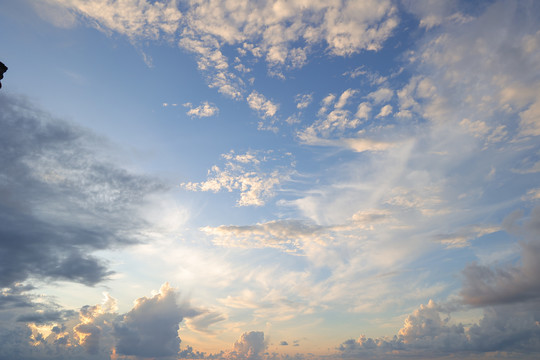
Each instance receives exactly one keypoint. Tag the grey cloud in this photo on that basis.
(46, 317)
(59, 199)
(512, 331)
(483, 285)
(283, 343)
(150, 329)
(204, 320)
(250, 346)
(15, 297)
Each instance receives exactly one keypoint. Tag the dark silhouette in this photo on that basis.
(3, 69)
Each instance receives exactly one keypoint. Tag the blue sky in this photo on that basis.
(268, 179)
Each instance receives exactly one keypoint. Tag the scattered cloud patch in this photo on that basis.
(206, 109)
(243, 173)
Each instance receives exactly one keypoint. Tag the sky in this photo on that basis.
(269, 180)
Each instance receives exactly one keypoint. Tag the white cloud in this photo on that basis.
(242, 173)
(381, 95)
(363, 111)
(462, 237)
(132, 18)
(345, 97)
(206, 109)
(385, 111)
(264, 107)
(303, 100)
(287, 235)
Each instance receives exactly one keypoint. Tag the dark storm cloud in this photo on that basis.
(483, 285)
(59, 198)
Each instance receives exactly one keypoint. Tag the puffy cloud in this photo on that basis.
(381, 95)
(264, 107)
(242, 173)
(344, 97)
(282, 33)
(250, 346)
(512, 332)
(363, 110)
(206, 109)
(132, 18)
(150, 329)
(63, 200)
(385, 111)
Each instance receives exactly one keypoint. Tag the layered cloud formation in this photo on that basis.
(384, 155)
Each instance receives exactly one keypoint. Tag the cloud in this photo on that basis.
(259, 103)
(512, 332)
(363, 110)
(381, 95)
(462, 237)
(303, 100)
(133, 18)
(150, 329)
(281, 33)
(483, 285)
(385, 111)
(242, 173)
(62, 200)
(250, 346)
(206, 109)
(287, 235)
(344, 97)
(202, 322)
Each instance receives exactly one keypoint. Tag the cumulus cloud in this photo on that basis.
(133, 18)
(425, 334)
(250, 346)
(63, 200)
(150, 329)
(281, 33)
(243, 173)
(381, 95)
(385, 111)
(344, 97)
(206, 109)
(264, 107)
